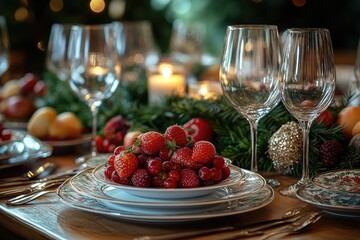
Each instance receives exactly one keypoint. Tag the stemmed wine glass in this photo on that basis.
(56, 55)
(4, 46)
(357, 67)
(249, 75)
(94, 68)
(307, 84)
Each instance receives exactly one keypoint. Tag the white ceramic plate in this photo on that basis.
(236, 176)
(331, 201)
(76, 200)
(85, 184)
(347, 181)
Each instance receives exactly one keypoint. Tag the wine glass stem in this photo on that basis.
(94, 111)
(305, 131)
(253, 130)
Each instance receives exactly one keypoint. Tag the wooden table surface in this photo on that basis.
(48, 218)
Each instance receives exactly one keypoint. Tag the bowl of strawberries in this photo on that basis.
(168, 165)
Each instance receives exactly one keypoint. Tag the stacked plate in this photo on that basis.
(22, 148)
(90, 191)
(336, 192)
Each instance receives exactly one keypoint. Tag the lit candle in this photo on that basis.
(98, 71)
(204, 90)
(165, 80)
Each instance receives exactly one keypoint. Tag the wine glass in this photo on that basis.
(249, 75)
(186, 42)
(307, 84)
(4, 46)
(138, 49)
(56, 55)
(94, 68)
(357, 67)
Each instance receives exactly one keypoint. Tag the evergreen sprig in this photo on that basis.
(232, 130)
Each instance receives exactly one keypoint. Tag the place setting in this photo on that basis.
(90, 191)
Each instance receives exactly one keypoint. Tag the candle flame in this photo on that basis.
(166, 70)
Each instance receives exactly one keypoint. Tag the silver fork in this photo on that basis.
(26, 198)
(290, 216)
(296, 226)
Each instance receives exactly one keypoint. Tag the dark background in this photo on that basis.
(29, 37)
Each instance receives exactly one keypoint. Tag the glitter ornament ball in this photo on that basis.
(285, 147)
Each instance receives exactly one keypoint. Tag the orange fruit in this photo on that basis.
(356, 129)
(349, 117)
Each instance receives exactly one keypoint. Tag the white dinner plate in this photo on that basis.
(76, 200)
(347, 180)
(236, 176)
(85, 184)
(347, 204)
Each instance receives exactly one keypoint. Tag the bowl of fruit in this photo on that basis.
(168, 165)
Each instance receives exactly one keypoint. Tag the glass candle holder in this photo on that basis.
(204, 90)
(165, 79)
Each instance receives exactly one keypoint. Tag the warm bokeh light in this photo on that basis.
(21, 14)
(97, 6)
(117, 8)
(56, 5)
(299, 3)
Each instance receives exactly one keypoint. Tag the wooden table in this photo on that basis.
(48, 218)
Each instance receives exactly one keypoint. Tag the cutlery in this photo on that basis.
(28, 197)
(38, 171)
(67, 173)
(296, 226)
(245, 231)
(36, 187)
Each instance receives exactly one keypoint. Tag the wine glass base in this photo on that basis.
(272, 182)
(290, 191)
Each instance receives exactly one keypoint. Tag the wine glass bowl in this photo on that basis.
(94, 65)
(4, 46)
(56, 54)
(307, 83)
(249, 74)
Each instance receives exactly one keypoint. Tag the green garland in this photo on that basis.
(232, 130)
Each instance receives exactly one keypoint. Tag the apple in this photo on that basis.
(199, 129)
(27, 83)
(18, 107)
(65, 126)
(40, 121)
(130, 138)
(326, 117)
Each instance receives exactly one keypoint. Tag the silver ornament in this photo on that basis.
(285, 147)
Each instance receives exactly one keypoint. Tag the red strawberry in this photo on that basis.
(177, 134)
(203, 152)
(152, 142)
(188, 178)
(115, 129)
(125, 164)
(141, 178)
(182, 157)
(199, 129)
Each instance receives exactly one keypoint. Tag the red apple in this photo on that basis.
(199, 129)
(326, 117)
(130, 138)
(27, 83)
(18, 107)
